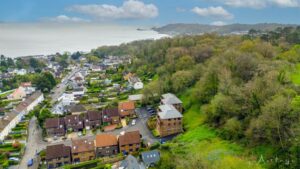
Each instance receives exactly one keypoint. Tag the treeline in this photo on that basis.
(20, 63)
(242, 85)
(44, 81)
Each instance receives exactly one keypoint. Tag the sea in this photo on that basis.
(32, 39)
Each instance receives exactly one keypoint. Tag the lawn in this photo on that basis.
(201, 141)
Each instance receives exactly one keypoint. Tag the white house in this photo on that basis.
(78, 92)
(66, 99)
(10, 120)
(135, 82)
(20, 71)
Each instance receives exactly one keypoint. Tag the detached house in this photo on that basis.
(106, 145)
(111, 116)
(58, 155)
(135, 82)
(82, 150)
(171, 99)
(92, 119)
(73, 123)
(55, 127)
(126, 108)
(169, 120)
(130, 142)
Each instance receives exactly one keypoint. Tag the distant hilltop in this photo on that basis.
(195, 29)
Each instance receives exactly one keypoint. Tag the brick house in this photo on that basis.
(106, 145)
(58, 155)
(126, 108)
(111, 116)
(169, 120)
(73, 122)
(171, 99)
(92, 120)
(55, 127)
(130, 142)
(82, 150)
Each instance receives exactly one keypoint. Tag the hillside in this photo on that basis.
(194, 29)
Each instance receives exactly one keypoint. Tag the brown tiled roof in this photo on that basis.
(133, 137)
(129, 105)
(57, 151)
(73, 120)
(54, 122)
(82, 145)
(105, 140)
(93, 115)
(108, 113)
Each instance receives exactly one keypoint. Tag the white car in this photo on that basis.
(133, 122)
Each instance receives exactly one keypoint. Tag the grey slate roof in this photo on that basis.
(150, 157)
(131, 163)
(170, 98)
(168, 112)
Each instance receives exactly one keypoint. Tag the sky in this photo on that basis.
(151, 12)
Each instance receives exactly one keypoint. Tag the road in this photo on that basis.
(34, 144)
(60, 88)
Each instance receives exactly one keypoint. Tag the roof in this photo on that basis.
(4, 121)
(134, 79)
(135, 97)
(129, 105)
(150, 157)
(168, 112)
(23, 105)
(77, 108)
(73, 120)
(78, 89)
(170, 98)
(54, 123)
(110, 112)
(132, 137)
(131, 162)
(93, 115)
(26, 84)
(105, 140)
(82, 145)
(57, 151)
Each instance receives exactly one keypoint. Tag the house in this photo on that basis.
(106, 145)
(92, 120)
(78, 92)
(58, 155)
(171, 99)
(73, 123)
(130, 162)
(169, 121)
(10, 120)
(30, 102)
(135, 82)
(82, 150)
(67, 99)
(55, 127)
(127, 76)
(126, 108)
(130, 142)
(20, 71)
(27, 86)
(77, 109)
(97, 68)
(136, 97)
(150, 158)
(19, 93)
(111, 116)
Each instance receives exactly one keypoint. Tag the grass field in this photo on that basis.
(295, 76)
(202, 143)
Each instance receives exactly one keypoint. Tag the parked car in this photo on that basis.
(14, 159)
(133, 122)
(30, 162)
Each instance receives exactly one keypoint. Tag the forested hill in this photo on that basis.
(241, 96)
(196, 29)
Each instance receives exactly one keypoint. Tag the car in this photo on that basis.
(30, 163)
(133, 122)
(149, 108)
(151, 111)
(14, 159)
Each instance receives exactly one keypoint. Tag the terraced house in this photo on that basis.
(82, 150)
(58, 155)
(55, 127)
(130, 142)
(106, 145)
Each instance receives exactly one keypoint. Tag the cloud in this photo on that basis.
(218, 23)
(214, 12)
(65, 18)
(258, 4)
(130, 9)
